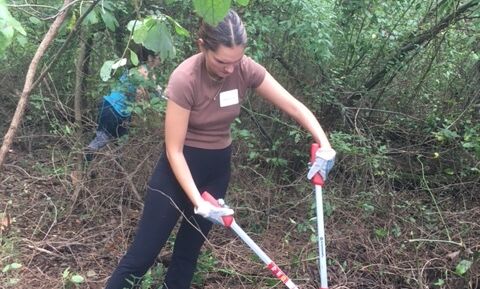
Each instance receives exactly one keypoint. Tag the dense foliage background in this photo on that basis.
(396, 83)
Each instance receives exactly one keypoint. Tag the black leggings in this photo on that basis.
(165, 202)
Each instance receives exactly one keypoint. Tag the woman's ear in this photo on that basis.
(201, 44)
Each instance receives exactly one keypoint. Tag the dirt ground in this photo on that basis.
(56, 225)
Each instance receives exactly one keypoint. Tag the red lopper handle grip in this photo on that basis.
(227, 220)
(317, 178)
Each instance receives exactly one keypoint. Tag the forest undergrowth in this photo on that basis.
(56, 227)
(395, 84)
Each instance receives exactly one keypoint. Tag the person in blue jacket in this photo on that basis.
(115, 109)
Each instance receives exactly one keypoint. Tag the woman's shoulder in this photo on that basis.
(184, 77)
(248, 62)
(190, 65)
(249, 66)
(188, 69)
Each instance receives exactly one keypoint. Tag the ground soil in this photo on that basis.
(54, 223)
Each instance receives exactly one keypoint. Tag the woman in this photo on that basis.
(204, 97)
(115, 112)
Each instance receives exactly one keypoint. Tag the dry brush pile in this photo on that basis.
(54, 229)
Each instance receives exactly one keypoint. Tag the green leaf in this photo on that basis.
(242, 2)
(35, 20)
(71, 22)
(109, 20)
(381, 232)
(17, 26)
(91, 18)
(152, 33)
(66, 272)
(140, 32)
(4, 42)
(106, 69)
(463, 267)
(469, 145)
(4, 13)
(13, 281)
(134, 58)
(178, 28)
(8, 32)
(212, 11)
(12, 266)
(8, 26)
(159, 40)
(449, 171)
(134, 24)
(119, 63)
(15, 266)
(77, 279)
(137, 110)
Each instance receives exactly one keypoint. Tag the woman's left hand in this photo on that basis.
(324, 161)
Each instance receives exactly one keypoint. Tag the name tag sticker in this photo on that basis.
(229, 97)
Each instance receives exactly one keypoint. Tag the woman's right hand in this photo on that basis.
(209, 211)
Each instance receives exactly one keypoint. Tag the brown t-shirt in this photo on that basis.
(213, 105)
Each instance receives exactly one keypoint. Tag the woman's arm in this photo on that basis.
(176, 123)
(274, 92)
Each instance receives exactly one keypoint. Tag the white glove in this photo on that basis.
(324, 161)
(212, 213)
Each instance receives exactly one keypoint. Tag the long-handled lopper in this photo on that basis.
(317, 181)
(229, 222)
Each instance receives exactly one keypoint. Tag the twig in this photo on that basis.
(437, 241)
(433, 198)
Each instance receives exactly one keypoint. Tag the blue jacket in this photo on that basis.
(122, 95)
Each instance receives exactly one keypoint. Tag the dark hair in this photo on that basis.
(141, 52)
(230, 32)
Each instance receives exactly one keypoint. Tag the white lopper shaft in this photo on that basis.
(270, 264)
(322, 262)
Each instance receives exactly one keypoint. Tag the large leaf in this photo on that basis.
(242, 2)
(178, 28)
(212, 11)
(6, 19)
(109, 20)
(4, 42)
(153, 34)
(91, 18)
(158, 39)
(106, 70)
(4, 14)
(8, 26)
(7, 31)
(17, 26)
(140, 29)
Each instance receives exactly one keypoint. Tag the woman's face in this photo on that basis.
(221, 63)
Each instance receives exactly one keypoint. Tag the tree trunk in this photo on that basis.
(80, 68)
(79, 77)
(29, 83)
(27, 88)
